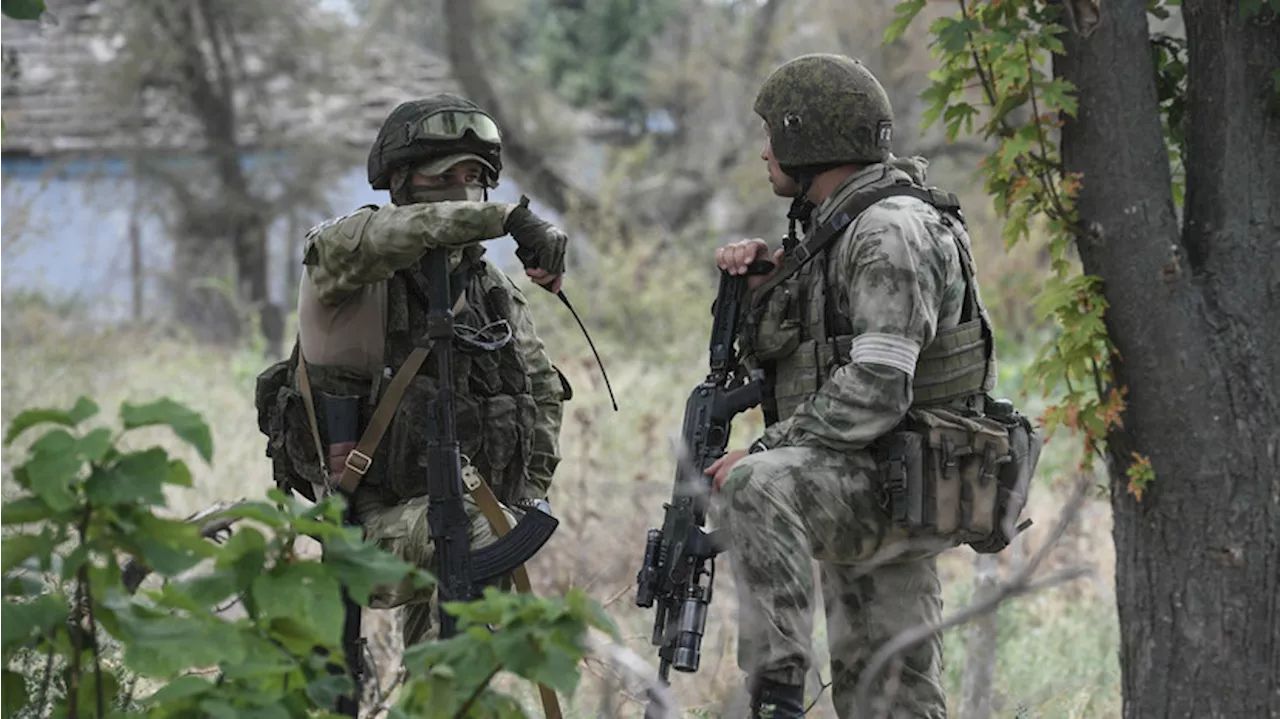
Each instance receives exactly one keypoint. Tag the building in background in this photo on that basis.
(78, 223)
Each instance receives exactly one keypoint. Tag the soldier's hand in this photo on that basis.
(540, 244)
(547, 280)
(719, 469)
(736, 256)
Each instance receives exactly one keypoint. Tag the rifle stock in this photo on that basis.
(678, 569)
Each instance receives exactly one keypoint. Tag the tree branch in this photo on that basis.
(543, 179)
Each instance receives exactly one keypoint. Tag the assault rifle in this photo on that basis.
(681, 555)
(461, 571)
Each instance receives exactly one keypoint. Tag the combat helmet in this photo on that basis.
(825, 110)
(444, 127)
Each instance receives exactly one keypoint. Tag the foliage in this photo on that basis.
(23, 9)
(86, 504)
(999, 51)
(595, 53)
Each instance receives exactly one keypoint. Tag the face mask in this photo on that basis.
(472, 193)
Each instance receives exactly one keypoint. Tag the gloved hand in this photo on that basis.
(541, 245)
(541, 505)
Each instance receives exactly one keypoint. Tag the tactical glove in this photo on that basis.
(541, 244)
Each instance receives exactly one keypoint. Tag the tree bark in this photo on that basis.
(1194, 313)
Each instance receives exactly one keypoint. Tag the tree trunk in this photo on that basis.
(1194, 313)
(202, 265)
(136, 280)
(978, 685)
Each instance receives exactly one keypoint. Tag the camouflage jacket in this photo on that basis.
(342, 299)
(895, 279)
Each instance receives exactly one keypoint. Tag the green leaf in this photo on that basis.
(184, 422)
(95, 445)
(361, 566)
(179, 474)
(168, 546)
(25, 510)
(53, 468)
(326, 690)
(245, 553)
(13, 693)
(306, 593)
(138, 476)
(207, 589)
(953, 34)
(263, 657)
(219, 709)
(87, 696)
(23, 621)
(161, 645)
(23, 9)
(904, 13)
(263, 512)
(183, 687)
(83, 409)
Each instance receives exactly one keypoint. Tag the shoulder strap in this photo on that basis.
(844, 216)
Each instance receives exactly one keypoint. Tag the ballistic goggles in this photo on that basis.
(453, 124)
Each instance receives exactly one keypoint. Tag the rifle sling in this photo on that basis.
(492, 511)
(361, 458)
(844, 216)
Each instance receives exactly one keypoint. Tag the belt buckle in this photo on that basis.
(365, 462)
(470, 478)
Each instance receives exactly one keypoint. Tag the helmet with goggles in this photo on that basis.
(443, 129)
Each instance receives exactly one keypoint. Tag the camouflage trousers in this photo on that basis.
(783, 508)
(402, 530)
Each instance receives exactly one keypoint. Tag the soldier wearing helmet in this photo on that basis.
(872, 323)
(362, 311)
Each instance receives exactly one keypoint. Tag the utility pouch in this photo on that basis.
(1025, 444)
(901, 461)
(963, 457)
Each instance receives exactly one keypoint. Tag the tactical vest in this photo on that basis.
(494, 406)
(800, 337)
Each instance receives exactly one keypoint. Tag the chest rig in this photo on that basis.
(797, 334)
(494, 406)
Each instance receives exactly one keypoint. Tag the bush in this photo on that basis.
(78, 642)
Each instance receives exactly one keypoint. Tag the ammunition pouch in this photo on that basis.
(776, 326)
(495, 433)
(282, 417)
(959, 475)
(1025, 444)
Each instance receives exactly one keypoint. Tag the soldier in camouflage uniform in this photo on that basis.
(362, 309)
(841, 343)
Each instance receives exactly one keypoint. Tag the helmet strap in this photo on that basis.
(801, 208)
